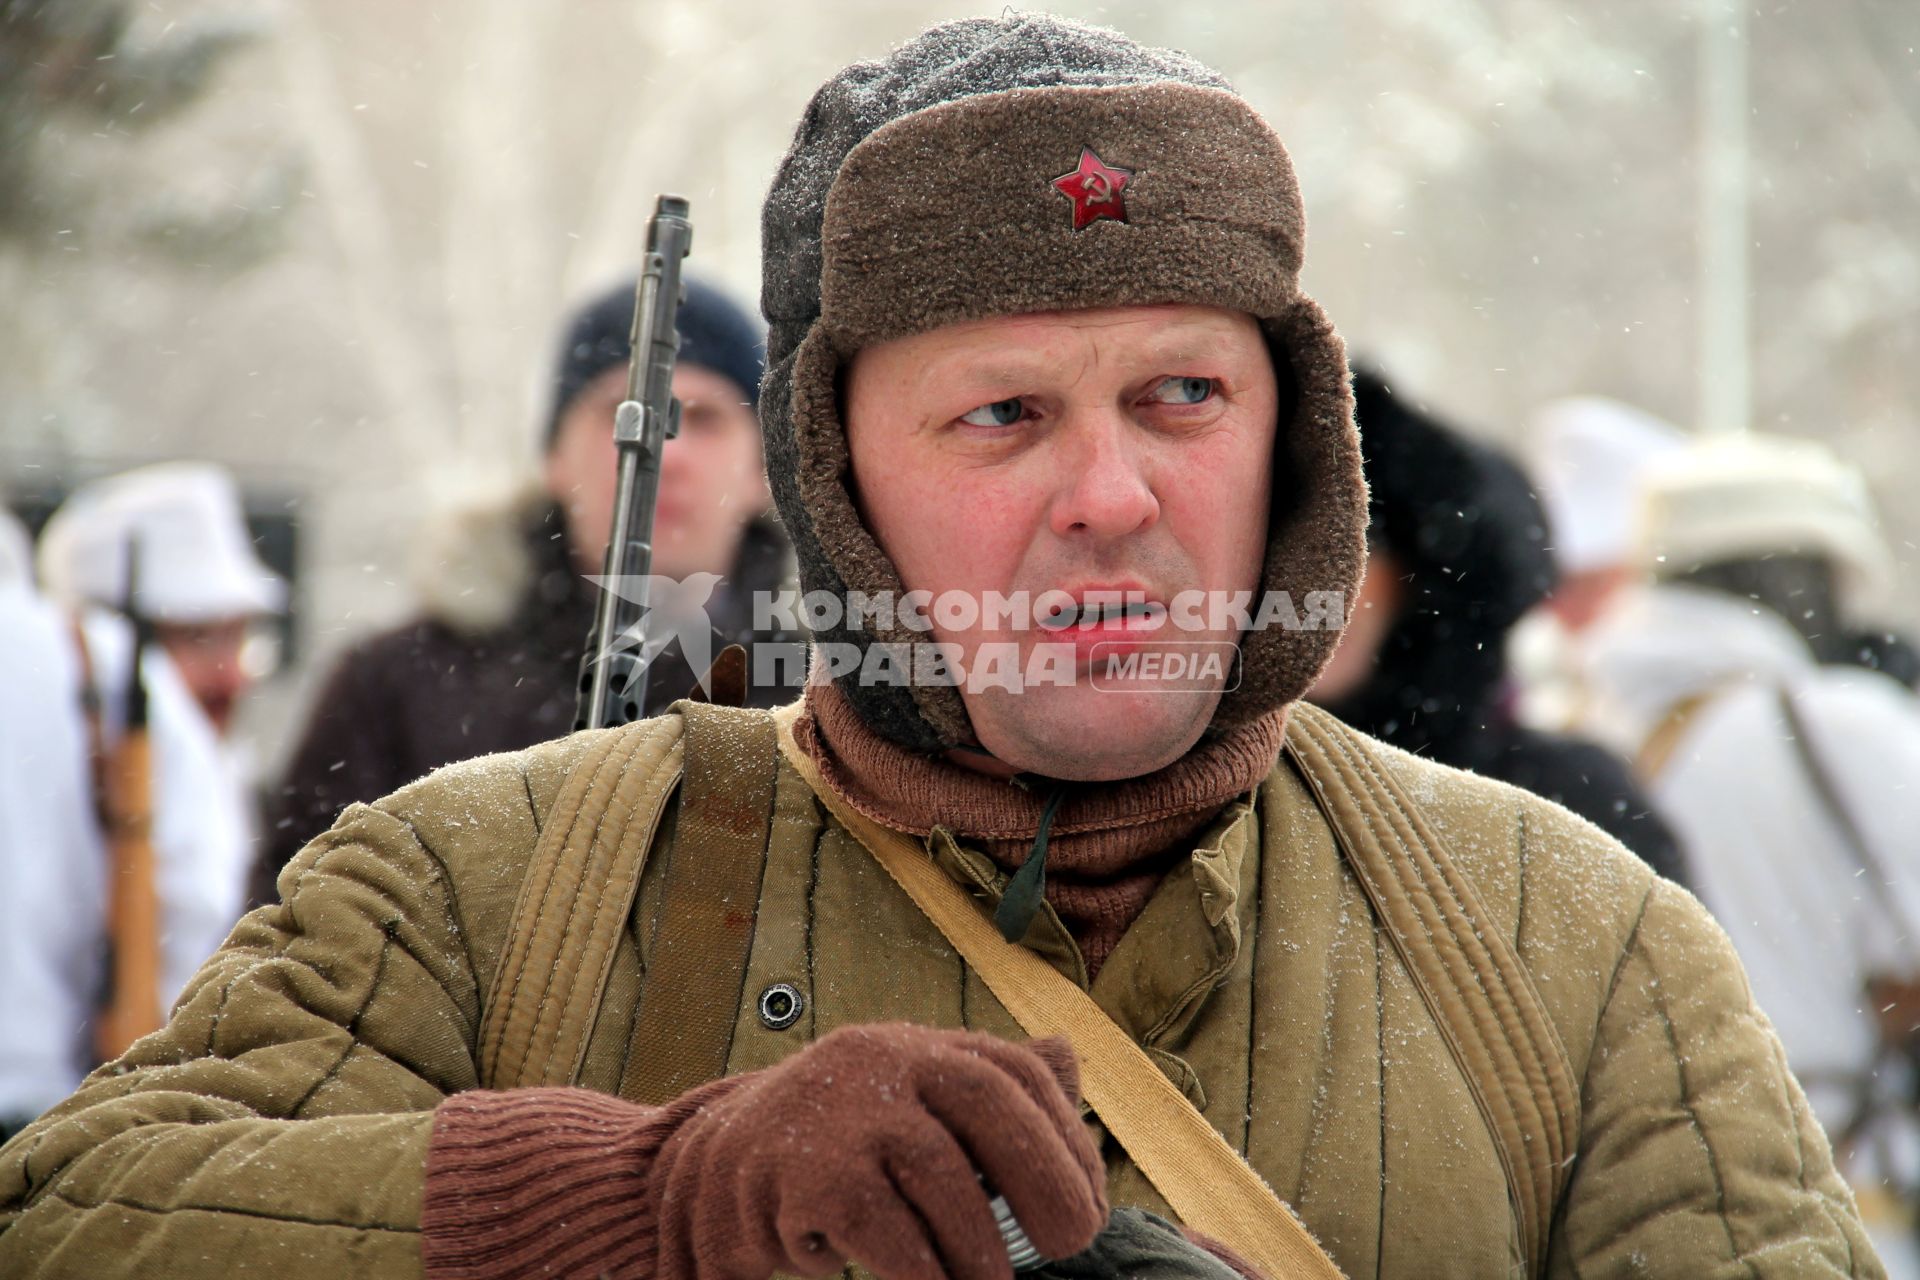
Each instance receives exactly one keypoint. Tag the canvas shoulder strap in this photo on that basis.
(1476, 988)
(1651, 760)
(580, 888)
(1209, 1186)
(697, 973)
(574, 901)
(1826, 788)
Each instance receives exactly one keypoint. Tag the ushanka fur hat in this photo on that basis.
(1023, 164)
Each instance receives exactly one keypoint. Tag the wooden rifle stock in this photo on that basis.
(132, 1006)
(133, 908)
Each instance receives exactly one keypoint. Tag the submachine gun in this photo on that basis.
(613, 670)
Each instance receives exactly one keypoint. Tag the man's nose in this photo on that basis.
(675, 457)
(1107, 491)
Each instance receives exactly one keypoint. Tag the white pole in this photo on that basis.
(1725, 367)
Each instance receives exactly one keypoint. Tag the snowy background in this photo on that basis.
(327, 243)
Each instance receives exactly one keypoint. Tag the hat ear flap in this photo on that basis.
(811, 472)
(1317, 529)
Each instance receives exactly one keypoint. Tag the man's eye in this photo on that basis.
(1001, 413)
(1183, 391)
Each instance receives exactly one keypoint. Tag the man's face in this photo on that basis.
(209, 657)
(1583, 597)
(1126, 450)
(712, 481)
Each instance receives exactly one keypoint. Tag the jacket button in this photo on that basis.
(781, 1006)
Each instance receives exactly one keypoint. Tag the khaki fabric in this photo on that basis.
(280, 1121)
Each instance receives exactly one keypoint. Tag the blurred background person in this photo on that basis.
(1586, 457)
(1456, 553)
(67, 689)
(1791, 775)
(50, 855)
(492, 662)
(1589, 459)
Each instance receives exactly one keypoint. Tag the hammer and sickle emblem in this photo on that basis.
(1095, 188)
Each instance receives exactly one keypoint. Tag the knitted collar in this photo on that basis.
(1110, 843)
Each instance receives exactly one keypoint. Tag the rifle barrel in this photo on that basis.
(613, 676)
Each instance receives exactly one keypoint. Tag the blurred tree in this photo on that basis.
(73, 71)
(1503, 200)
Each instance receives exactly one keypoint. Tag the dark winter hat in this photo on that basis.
(998, 166)
(1470, 541)
(1444, 503)
(715, 333)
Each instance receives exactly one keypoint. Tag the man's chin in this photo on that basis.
(1082, 734)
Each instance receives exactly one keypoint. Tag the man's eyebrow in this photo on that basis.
(997, 370)
(1187, 352)
(990, 373)
(1193, 343)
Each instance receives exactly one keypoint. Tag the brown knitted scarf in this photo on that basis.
(1110, 843)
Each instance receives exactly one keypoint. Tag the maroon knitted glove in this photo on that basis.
(870, 1145)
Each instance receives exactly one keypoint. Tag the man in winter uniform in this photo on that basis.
(50, 854)
(1036, 322)
(1586, 456)
(1790, 778)
(201, 587)
(1457, 553)
(493, 662)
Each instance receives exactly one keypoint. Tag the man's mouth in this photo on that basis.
(1103, 614)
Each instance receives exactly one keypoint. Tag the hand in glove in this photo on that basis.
(876, 1144)
(872, 1145)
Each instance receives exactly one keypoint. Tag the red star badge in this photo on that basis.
(1094, 187)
